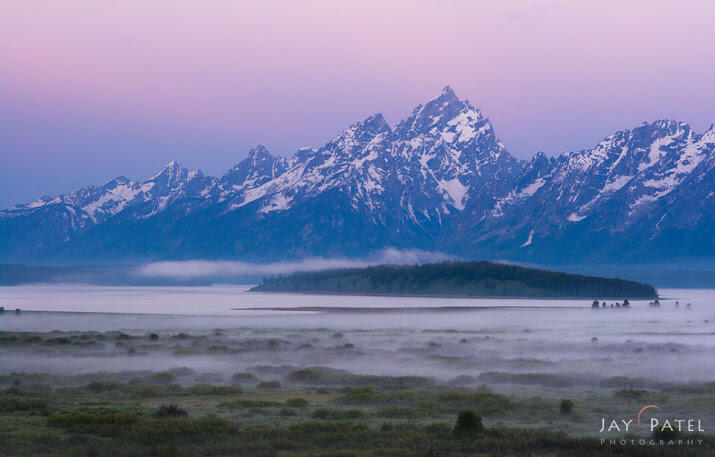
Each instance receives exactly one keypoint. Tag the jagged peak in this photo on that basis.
(118, 181)
(709, 135)
(363, 131)
(447, 94)
(171, 166)
(670, 125)
(258, 163)
(445, 98)
(664, 123)
(655, 129)
(259, 151)
(375, 123)
(42, 201)
(540, 158)
(193, 174)
(303, 153)
(438, 112)
(172, 172)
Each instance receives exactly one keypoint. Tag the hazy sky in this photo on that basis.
(92, 89)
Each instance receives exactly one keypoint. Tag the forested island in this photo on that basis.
(466, 279)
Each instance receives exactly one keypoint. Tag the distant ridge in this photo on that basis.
(440, 180)
(469, 279)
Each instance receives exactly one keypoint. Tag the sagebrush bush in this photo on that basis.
(566, 406)
(269, 385)
(297, 402)
(468, 424)
(337, 414)
(166, 411)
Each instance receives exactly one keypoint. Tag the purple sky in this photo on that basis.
(91, 89)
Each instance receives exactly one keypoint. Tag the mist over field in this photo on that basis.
(224, 330)
(246, 359)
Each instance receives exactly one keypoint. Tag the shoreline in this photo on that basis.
(396, 309)
(506, 297)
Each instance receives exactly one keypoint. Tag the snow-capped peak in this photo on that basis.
(440, 178)
(353, 139)
(453, 121)
(169, 171)
(259, 152)
(368, 128)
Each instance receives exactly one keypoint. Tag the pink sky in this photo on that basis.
(96, 88)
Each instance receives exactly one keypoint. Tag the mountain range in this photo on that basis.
(441, 180)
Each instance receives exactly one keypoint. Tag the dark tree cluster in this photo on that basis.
(474, 278)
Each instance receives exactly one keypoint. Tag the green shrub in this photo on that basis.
(269, 385)
(182, 371)
(396, 412)
(167, 411)
(163, 377)
(468, 424)
(332, 376)
(623, 382)
(692, 388)
(207, 389)
(635, 394)
(336, 414)
(319, 375)
(359, 395)
(11, 405)
(484, 402)
(180, 429)
(91, 422)
(103, 386)
(243, 378)
(297, 402)
(566, 406)
(245, 404)
(145, 392)
(542, 379)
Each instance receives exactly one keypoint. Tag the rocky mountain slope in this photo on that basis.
(440, 180)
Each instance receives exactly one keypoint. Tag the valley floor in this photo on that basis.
(219, 382)
(269, 409)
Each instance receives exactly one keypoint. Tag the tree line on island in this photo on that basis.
(470, 279)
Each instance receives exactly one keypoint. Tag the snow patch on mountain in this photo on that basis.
(278, 203)
(656, 152)
(456, 190)
(531, 189)
(616, 183)
(113, 201)
(528, 240)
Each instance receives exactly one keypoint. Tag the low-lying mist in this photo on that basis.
(560, 346)
(228, 270)
(198, 272)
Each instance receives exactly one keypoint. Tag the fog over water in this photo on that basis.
(201, 328)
